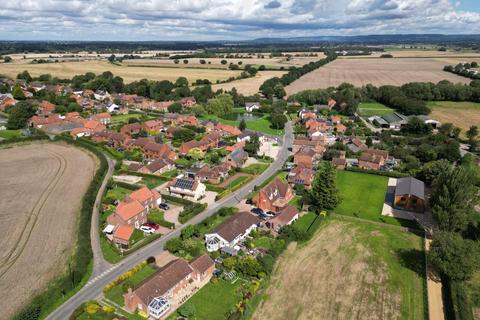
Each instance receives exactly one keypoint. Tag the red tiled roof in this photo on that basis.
(128, 210)
(123, 232)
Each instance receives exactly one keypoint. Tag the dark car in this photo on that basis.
(249, 201)
(257, 211)
(164, 206)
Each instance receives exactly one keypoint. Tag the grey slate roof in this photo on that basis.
(395, 118)
(411, 186)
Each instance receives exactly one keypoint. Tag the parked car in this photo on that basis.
(257, 211)
(249, 201)
(164, 206)
(152, 225)
(147, 229)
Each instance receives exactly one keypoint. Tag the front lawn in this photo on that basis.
(116, 293)
(214, 300)
(255, 168)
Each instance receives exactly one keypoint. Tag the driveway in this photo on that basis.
(209, 198)
(171, 215)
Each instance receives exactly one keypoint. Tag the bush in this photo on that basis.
(457, 302)
(191, 210)
(187, 310)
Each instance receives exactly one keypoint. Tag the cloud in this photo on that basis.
(273, 5)
(227, 19)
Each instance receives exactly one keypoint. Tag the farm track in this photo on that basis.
(23, 238)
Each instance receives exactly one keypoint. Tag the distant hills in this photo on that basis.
(376, 39)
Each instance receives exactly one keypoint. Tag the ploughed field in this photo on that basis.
(348, 270)
(377, 71)
(42, 186)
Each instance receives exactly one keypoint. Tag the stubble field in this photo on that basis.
(377, 71)
(40, 198)
(349, 270)
(249, 86)
(129, 74)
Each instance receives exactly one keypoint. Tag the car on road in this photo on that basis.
(147, 229)
(257, 211)
(266, 215)
(164, 206)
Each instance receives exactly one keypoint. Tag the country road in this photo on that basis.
(93, 289)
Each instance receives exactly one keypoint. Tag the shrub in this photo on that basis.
(92, 308)
(187, 310)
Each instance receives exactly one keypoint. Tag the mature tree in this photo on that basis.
(416, 126)
(446, 129)
(369, 142)
(220, 105)
(230, 263)
(454, 256)
(252, 146)
(175, 107)
(111, 59)
(279, 91)
(431, 170)
(472, 133)
(176, 61)
(202, 93)
(198, 110)
(223, 61)
(196, 154)
(19, 114)
(183, 135)
(17, 92)
(24, 76)
(7, 59)
(181, 82)
(324, 193)
(242, 125)
(185, 61)
(453, 198)
(278, 120)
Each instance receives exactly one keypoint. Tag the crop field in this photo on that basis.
(249, 86)
(216, 62)
(349, 270)
(378, 72)
(461, 114)
(367, 109)
(129, 74)
(40, 198)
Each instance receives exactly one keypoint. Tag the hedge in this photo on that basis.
(392, 174)
(190, 211)
(177, 200)
(79, 267)
(457, 303)
(23, 139)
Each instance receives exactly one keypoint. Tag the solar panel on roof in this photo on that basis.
(184, 184)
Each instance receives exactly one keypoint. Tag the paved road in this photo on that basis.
(93, 289)
(99, 263)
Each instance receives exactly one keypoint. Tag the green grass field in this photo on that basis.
(8, 134)
(214, 300)
(368, 109)
(363, 195)
(454, 104)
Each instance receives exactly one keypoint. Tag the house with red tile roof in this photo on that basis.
(46, 107)
(131, 128)
(153, 125)
(372, 159)
(226, 129)
(174, 282)
(209, 141)
(153, 150)
(122, 235)
(104, 118)
(306, 157)
(301, 175)
(188, 102)
(94, 126)
(275, 196)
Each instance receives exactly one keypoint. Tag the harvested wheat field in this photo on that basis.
(349, 270)
(40, 198)
(129, 74)
(461, 114)
(378, 72)
(249, 86)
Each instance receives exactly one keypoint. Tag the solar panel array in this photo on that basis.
(184, 184)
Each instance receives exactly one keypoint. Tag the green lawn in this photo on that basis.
(116, 293)
(8, 134)
(363, 195)
(235, 184)
(117, 193)
(368, 109)
(262, 124)
(214, 300)
(454, 104)
(264, 242)
(109, 252)
(123, 118)
(255, 168)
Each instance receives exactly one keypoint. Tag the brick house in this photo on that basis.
(153, 125)
(104, 118)
(372, 159)
(274, 197)
(153, 150)
(237, 158)
(174, 281)
(305, 157)
(301, 175)
(209, 141)
(122, 235)
(285, 217)
(131, 128)
(188, 102)
(214, 174)
(226, 129)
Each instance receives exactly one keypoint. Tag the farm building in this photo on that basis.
(410, 194)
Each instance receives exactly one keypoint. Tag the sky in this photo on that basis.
(157, 20)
